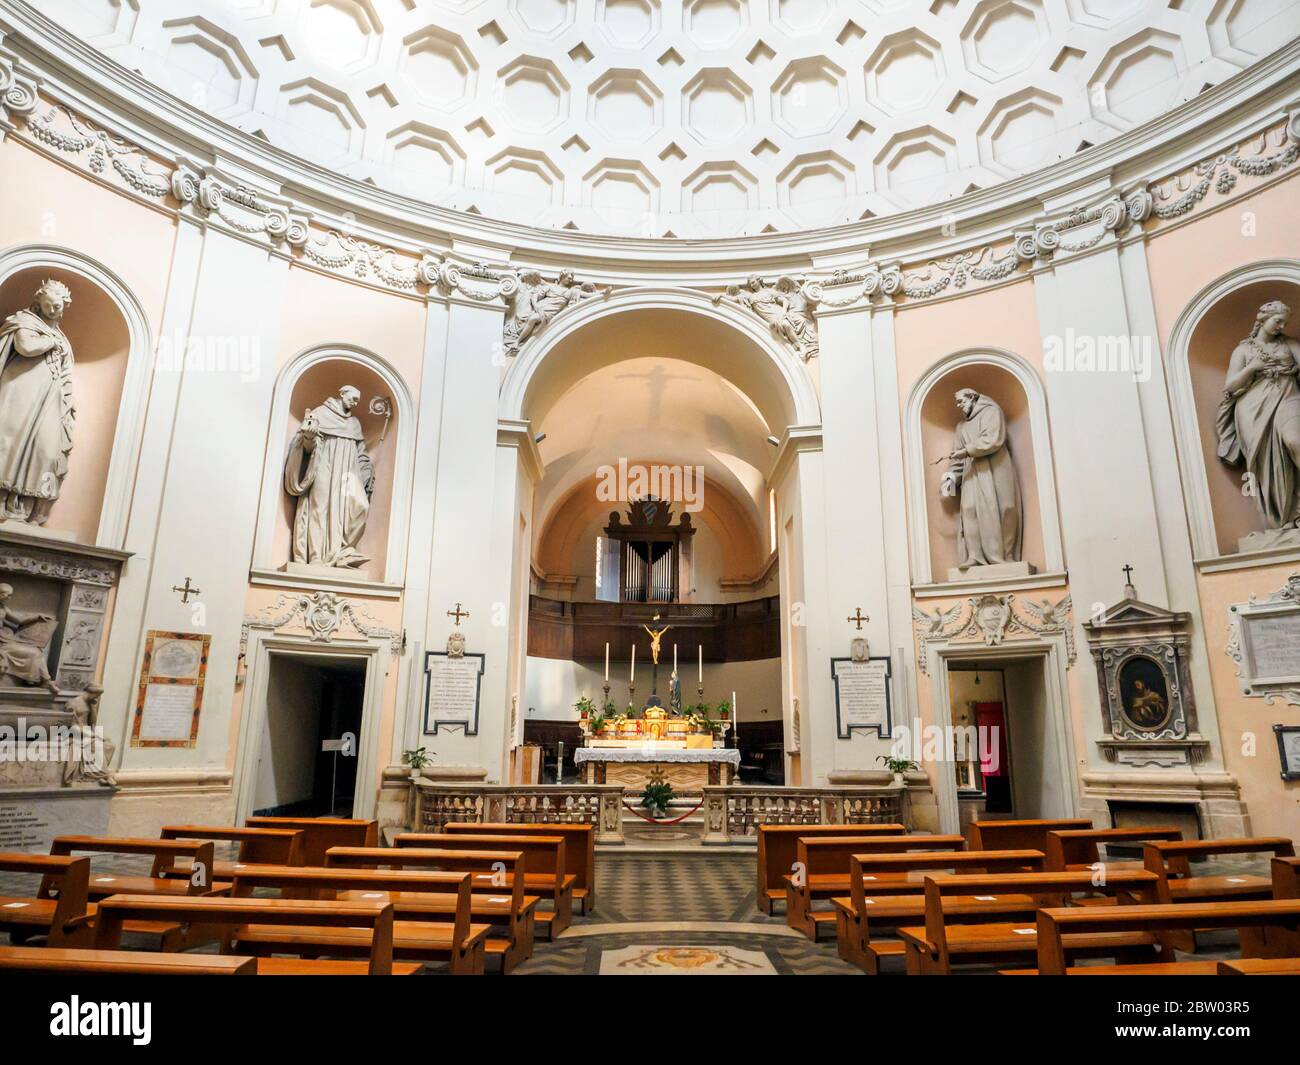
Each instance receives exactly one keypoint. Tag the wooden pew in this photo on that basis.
(60, 910)
(1286, 885)
(433, 920)
(164, 853)
(579, 849)
(776, 852)
(1077, 848)
(940, 943)
(887, 890)
(1260, 967)
(544, 863)
(1169, 863)
(257, 846)
(822, 866)
(1018, 835)
(1060, 929)
(241, 914)
(497, 886)
(322, 833)
(84, 961)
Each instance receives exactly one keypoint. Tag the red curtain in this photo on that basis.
(991, 722)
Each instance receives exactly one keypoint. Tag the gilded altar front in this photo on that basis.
(635, 763)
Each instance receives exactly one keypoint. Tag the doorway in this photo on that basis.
(1007, 745)
(307, 759)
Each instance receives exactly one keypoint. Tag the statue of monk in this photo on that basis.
(330, 473)
(990, 524)
(36, 409)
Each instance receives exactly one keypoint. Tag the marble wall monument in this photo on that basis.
(330, 474)
(36, 409)
(982, 476)
(1258, 425)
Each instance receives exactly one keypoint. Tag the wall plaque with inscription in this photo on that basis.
(1265, 643)
(451, 692)
(862, 696)
(171, 690)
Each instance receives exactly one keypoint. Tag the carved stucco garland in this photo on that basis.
(992, 618)
(323, 615)
(1288, 593)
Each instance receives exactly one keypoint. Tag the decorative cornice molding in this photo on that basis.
(992, 618)
(1013, 242)
(323, 615)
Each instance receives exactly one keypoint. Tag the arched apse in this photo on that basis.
(1200, 346)
(306, 381)
(668, 323)
(113, 365)
(930, 417)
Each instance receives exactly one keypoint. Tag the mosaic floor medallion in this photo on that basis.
(685, 961)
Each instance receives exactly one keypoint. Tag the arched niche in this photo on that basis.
(112, 352)
(932, 415)
(1200, 346)
(306, 381)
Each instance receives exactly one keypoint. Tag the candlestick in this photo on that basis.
(607, 660)
(701, 663)
(674, 658)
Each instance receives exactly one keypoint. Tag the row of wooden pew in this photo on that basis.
(302, 897)
(1030, 895)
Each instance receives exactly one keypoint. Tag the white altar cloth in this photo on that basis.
(650, 753)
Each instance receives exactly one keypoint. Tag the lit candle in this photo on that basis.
(701, 665)
(607, 660)
(631, 677)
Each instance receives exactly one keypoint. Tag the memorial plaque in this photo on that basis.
(451, 693)
(862, 696)
(171, 690)
(1273, 646)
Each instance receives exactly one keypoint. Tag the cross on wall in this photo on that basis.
(458, 614)
(858, 617)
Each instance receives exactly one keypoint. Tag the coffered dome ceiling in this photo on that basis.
(682, 118)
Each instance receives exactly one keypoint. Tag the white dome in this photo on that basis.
(686, 118)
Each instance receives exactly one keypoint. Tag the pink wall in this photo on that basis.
(46, 204)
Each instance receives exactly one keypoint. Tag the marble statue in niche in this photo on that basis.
(93, 753)
(982, 476)
(24, 642)
(37, 415)
(1258, 423)
(330, 474)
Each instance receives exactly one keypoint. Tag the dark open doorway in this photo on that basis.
(308, 761)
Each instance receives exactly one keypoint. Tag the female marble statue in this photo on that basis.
(24, 638)
(330, 473)
(36, 411)
(1259, 416)
(982, 473)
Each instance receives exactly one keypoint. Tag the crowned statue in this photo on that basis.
(36, 410)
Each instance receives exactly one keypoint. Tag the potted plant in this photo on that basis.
(898, 766)
(656, 796)
(417, 759)
(585, 707)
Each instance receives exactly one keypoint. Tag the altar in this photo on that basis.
(633, 765)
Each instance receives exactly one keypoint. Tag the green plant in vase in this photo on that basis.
(585, 707)
(898, 766)
(417, 759)
(656, 796)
